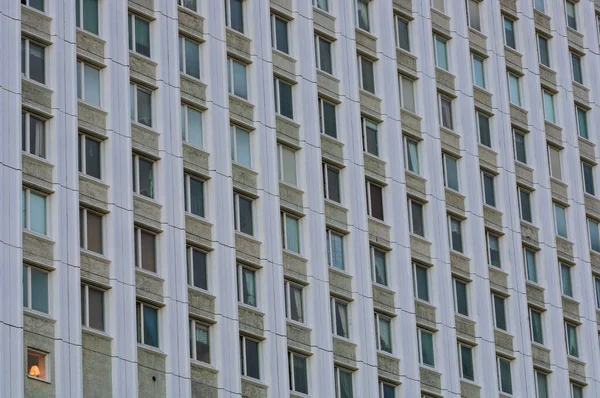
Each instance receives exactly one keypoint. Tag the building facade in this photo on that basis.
(293, 198)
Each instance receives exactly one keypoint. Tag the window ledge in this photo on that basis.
(285, 55)
(464, 317)
(298, 324)
(254, 381)
(197, 217)
(93, 180)
(146, 199)
(43, 86)
(343, 339)
(335, 204)
(38, 379)
(367, 33)
(149, 129)
(201, 291)
(373, 96)
(328, 75)
(332, 139)
(150, 349)
(386, 354)
(534, 284)
(286, 118)
(243, 166)
(90, 105)
(142, 56)
(88, 33)
(383, 287)
(377, 221)
(39, 236)
(90, 253)
(249, 237)
(339, 271)
(185, 143)
(98, 333)
(36, 158)
(150, 274)
(203, 365)
(291, 186)
(190, 77)
(251, 308)
(188, 11)
(237, 33)
(38, 314)
(291, 253)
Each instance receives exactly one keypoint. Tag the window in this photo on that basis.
(594, 235)
(33, 63)
(33, 138)
(37, 4)
(571, 14)
(374, 200)
(549, 113)
(88, 83)
(321, 4)
(189, 57)
(426, 350)
(597, 290)
(461, 299)
(421, 282)
(493, 250)
(343, 383)
(415, 214)
(525, 205)
(246, 281)
(576, 68)
(504, 375)
(530, 265)
(539, 5)
(191, 126)
(139, 35)
(483, 127)
(335, 250)
(194, 195)
(450, 171)
(514, 91)
(199, 341)
(543, 50)
(331, 183)
(407, 93)
(378, 266)
(587, 171)
(35, 289)
(197, 268)
(519, 142)
(145, 249)
(582, 125)
(147, 324)
(294, 308)
(411, 151)
(323, 55)
(383, 327)
(386, 390)
(489, 195)
(240, 146)
(541, 385)
(478, 68)
(279, 34)
(249, 357)
(535, 322)
(284, 105)
(446, 119)
(441, 52)
(571, 336)
(92, 307)
(327, 118)
(455, 234)
(290, 232)
(554, 162)
(34, 211)
(366, 74)
(189, 4)
(90, 156)
(473, 14)
(298, 372)
(509, 33)
(143, 176)
(465, 359)
(141, 104)
(402, 33)
(362, 14)
(237, 81)
(234, 15)
(287, 164)
(339, 323)
(577, 391)
(370, 137)
(36, 364)
(566, 284)
(242, 209)
(438, 5)
(560, 217)
(90, 230)
(499, 310)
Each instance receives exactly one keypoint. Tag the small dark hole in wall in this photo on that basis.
(153, 378)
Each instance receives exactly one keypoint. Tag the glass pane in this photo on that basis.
(150, 326)
(333, 184)
(488, 189)
(474, 19)
(520, 153)
(576, 65)
(192, 59)
(362, 10)
(90, 15)
(194, 127)
(536, 327)
(242, 141)
(199, 269)
(385, 335)
(549, 107)
(368, 75)
(37, 69)
(413, 156)
(144, 107)
(237, 15)
(466, 359)
(509, 33)
(505, 376)
(24, 204)
(197, 197)
(542, 385)
(286, 106)
(329, 119)
(418, 225)
(403, 34)
(408, 94)
(582, 123)
(543, 49)
(561, 221)
(422, 283)
(37, 137)
(281, 35)
(525, 205)
(376, 201)
(202, 344)
(346, 390)
(146, 178)
(427, 348)
(571, 15)
(567, 287)
(296, 307)
(588, 179)
(142, 37)
(322, 4)
(37, 213)
(245, 207)
(249, 287)
(446, 109)
(451, 172)
(539, 5)
(500, 313)
(554, 158)
(252, 359)
(240, 85)
(380, 267)
(288, 158)
(92, 158)
(531, 265)
(494, 248)
(292, 234)
(441, 56)
(39, 290)
(514, 90)
(337, 248)
(300, 374)
(456, 235)
(341, 319)
(371, 138)
(478, 72)
(594, 236)
(96, 308)
(148, 251)
(462, 306)
(94, 232)
(37, 4)
(25, 279)
(572, 348)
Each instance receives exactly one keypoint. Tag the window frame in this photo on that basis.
(366, 3)
(532, 328)
(330, 255)
(139, 251)
(327, 189)
(322, 124)
(455, 282)
(548, 101)
(84, 232)
(530, 278)
(499, 319)
(445, 170)
(233, 134)
(288, 286)
(566, 279)
(140, 306)
(546, 61)
(461, 370)
(187, 180)
(27, 3)
(280, 160)
(379, 346)
(81, 66)
(489, 237)
(499, 361)
(317, 4)
(480, 133)
(196, 324)
(397, 19)
(232, 87)
(85, 308)
(334, 302)
(477, 58)
(411, 218)
(574, 24)
(183, 56)
(507, 43)
(320, 52)
(26, 195)
(275, 40)
(402, 80)
(454, 219)
(132, 17)
(83, 161)
(278, 100)
(420, 332)
(370, 209)
(191, 268)
(185, 125)
(517, 79)
(244, 356)
(136, 176)
(407, 142)
(337, 370)
(28, 289)
(292, 356)
(594, 246)
(488, 202)
(361, 73)
(237, 215)
(517, 132)
(578, 112)
(445, 65)
(228, 19)
(135, 89)
(554, 156)
(527, 192)
(26, 128)
(537, 375)
(26, 55)
(241, 268)
(588, 190)
(577, 72)
(575, 353)
(441, 100)
(180, 3)
(373, 257)
(284, 232)
(43, 357)
(556, 220)
(476, 25)
(368, 123)
(417, 292)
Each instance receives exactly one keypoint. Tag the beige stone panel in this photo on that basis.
(383, 300)
(241, 112)
(344, 353)
(195, 160)
(425, 314)
(431, 381)
(504, 343)
(535, 295)
(244, 179)
(252, 389)
(498, 280)
(94, 268)
(460, 265)
(388, 367)
(332, 150)
(440, 22)
(288, 131)
(142, 69)
(238, 44)
(36, 24)
(379, 233)
(148, 287)
(37, 250)
(91, 119)
(198, 231)
(570, 309)
(340, 283)
(37, 172)
(147, 213)
(370, 105)
(192, 91)
(144, 140)
(251, 321)
(336, 216)
(36, 96)
(205, 381)
(291, 198)
(295, 267)
(445, 81)
(191, 24)
(284, 65)
(298, 337)
(201, 304)
(420, 249)
(247, 249)
(328, 86)
(93, 193)
(151, 373)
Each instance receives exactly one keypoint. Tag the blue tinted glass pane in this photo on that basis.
(39, 290)
(150, 326)
(37, 216)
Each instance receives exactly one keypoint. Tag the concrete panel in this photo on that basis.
(94, 268)
(37, 249)
(529, 234)
(425, 314)
(90, 47)
(383, 300)
(147, 213)
(388, 367)
(535, 295)
(238, 45)
(244, 179)
(93, 193)
(36, 24)
(340, 283)
(253, 389)
(151, 374)
(193, 91)
(251, 321)
(36, 96)
(460, 264)
(247, 249)
(370, 105)
(328, 86)
(191, 24)
(298, 337)
(332, 150)
(295, 267)
(431, 381)
(205, 381)
(504, 343)
(291, 198)
(201, 304)
(336, 216)
(142, 69)
(379, 233)
(407, 62)
(148, 287)
(144, 140)
(420, 249)
(288, 131)
(195, 160)
(91, 119)
(344, 353)
(37, 172)
(498, 280)
(374, 169)
(198, 231)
